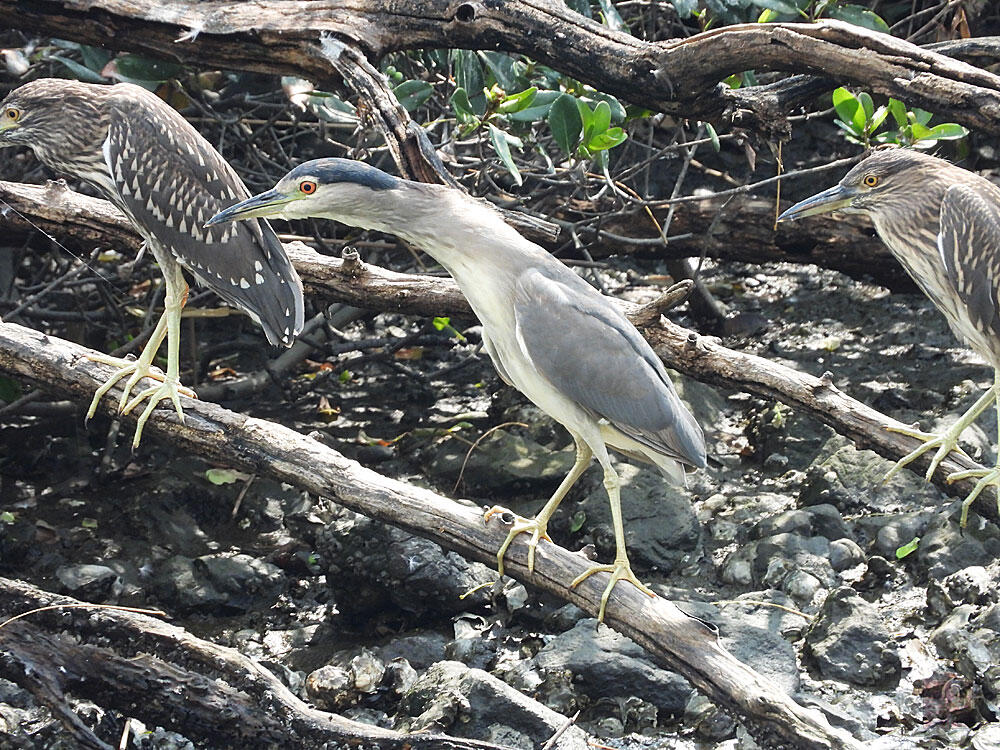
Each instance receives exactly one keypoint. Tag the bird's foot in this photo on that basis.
(135, 371)
(945, 442)
(620, 570)
(518, 526)
(986, 477)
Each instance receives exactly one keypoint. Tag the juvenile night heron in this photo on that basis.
(153, 165)
(549, 333)
(943, 225)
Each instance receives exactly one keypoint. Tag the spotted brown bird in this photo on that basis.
(168, 180)
(942, 223)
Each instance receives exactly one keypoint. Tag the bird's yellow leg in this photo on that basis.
(946, 441)
(170, 387)
(987, 477)
(537, 526)
(620, 569)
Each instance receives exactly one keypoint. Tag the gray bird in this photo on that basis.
(549, 333)
(154, 166)
(942, 223)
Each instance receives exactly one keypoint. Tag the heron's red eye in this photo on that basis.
(307, 187)
(12, 114)
(870, 180)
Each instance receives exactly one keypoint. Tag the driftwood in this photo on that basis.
(674, 640)
(681, 78)
(165, 676)
(327, 279)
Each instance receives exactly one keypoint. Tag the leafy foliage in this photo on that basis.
(860, 120)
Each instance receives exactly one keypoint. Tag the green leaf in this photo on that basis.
(602, 117)
(441, 322)
(608, 139)
(565, 123)
(908, 548)
(7, 517)
(859, 16)
(898, 110)
(778, 6)
(847, 107)
(518, 102)
(685, 8)
(139, 68)
(539, 108)
(919, 132)
(587, 118)
(504, 69)
(411, 94)
(10, 389)
(81, 72)
(577, 521)
(89, 523)
(618, 114)
(345, 376)
(220, 476)
(716, 146)
(947, 131)
(469, 76)
(876, 120)
(463, 108)
(612, 19)
(867, 105)
(94, 58)
(502, 147)
(919, 116)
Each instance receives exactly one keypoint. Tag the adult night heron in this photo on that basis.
(549, 333)
(154, 166)
(943, 225)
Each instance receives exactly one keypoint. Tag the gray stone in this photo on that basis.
(371, 565)
(244, 582)
(817, 520)
(90, 582)
(661, 527)
(946, 548)
(471, 703)
(849, 642)
(770, 560)
(606, 664)
(504, 463)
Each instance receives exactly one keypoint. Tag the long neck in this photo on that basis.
(467, 237)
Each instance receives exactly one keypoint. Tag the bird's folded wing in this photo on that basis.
(969, 244)
(585, 347)
(171, 181)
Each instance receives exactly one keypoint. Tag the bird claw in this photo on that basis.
(945, 442)
(986, 478)
(620, 570)
(519, 526)
(136, 371)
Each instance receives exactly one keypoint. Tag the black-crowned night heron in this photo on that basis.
(549, 333)
(153, 165)
(942, 223)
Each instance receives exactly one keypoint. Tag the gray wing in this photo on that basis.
(969, 243)
(170, 181)
(586, 348)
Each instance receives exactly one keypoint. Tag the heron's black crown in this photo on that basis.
(333, 170)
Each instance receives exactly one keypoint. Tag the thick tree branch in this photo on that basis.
(675, 640)
(681, 78)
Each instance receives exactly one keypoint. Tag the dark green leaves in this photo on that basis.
(861, 121)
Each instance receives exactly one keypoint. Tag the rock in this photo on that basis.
(420, 649)
(661, 528)
(770, 561)
(817, 520)
(849, 642)
(331, 688)
(606, 664)
(223, 583)
(89, 582)
(505, 463)
(371, 565)
(946, 548)
(708, 720)
(450, 697)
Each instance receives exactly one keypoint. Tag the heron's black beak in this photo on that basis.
(270, 203)
(836, 198)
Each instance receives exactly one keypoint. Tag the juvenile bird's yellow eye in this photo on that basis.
(12, 114)
(307, 187)
(870, 180)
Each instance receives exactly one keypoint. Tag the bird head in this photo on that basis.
(883, 181)
(39, 113)
(340, 189)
